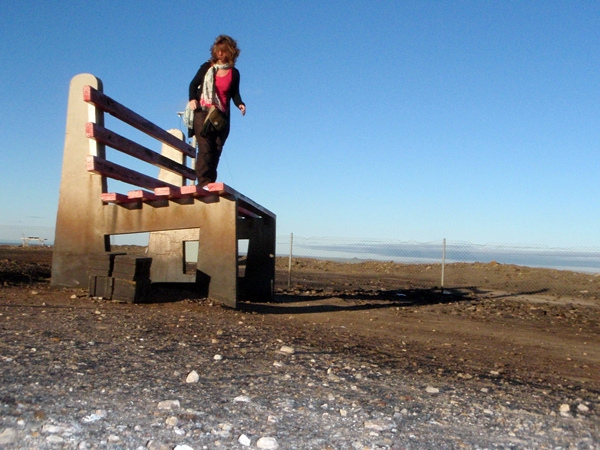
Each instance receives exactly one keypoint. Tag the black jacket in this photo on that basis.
(233, 94)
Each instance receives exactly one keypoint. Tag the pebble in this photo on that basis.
(582, 408)
(564, 407)
(171, 421)
(267, 443)
(244, 440)
(8, 436)
(192, 377)
(242, 398)
(218, 357)
(432, 390)
(169, 404)
(378, 425)
(183, 447)
(52, 429)
(287, 350)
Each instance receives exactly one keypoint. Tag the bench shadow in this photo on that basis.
(172, 292)
(285, 303)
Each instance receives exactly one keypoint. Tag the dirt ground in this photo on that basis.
(484, 326)
(548, 334)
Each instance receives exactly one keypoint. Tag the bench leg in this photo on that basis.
(217, 268)
(259, 279)
(78, 233)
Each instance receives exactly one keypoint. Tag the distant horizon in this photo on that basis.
(575, 259)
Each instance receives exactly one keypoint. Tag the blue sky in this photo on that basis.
(475, 121)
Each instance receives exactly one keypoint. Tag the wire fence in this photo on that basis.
(572, 271)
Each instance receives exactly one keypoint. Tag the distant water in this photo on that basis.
(576, 260)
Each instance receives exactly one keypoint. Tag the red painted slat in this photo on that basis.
(114, 197)
(114, 108)
(118, 142)
(195, 191)
(116, 172)
(142, 195)
(168, 192)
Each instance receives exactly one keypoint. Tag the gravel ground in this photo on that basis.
(326, 368)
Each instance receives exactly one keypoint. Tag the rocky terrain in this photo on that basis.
(350, 356)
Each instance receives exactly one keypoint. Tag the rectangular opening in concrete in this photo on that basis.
(190, 256)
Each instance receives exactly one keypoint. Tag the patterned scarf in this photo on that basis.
(209, 95)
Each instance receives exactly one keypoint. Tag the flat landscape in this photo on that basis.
(362, 355)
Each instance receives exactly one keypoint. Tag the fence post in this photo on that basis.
(290, 260)
(443, 262)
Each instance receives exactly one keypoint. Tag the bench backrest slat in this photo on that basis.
(131, 148)
(117, 172)
(114, 108)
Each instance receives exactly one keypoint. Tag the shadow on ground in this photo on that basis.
(287, 303)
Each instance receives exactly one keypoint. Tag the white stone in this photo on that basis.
(564, 408)
(169, 404)
(52, 429)
(267, 443)
(171, 421)
(183, 447)
(286, 349)
(218, 357)
(192, 377)
(582, 408)
(378, 425)
(91, 418)
(8, 436)
(432, 390)
(242, 398)
(244, 440)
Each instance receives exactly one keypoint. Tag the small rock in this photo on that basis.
(379, 425)
(169, 404)
(51, 429)
(432, 390)
(582, 408)
(192, 377)
(114, 439)
(54, 439)
(171, 421)
(8, 436)
(267, 443)
(183, 447)
(218, 357)
(244, 440)
(564, 408)
(242, 398)
(287, 350)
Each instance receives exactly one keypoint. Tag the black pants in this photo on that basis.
(209, 150)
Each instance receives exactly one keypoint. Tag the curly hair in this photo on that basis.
(228, 45)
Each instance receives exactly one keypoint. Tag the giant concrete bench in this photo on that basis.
(167, 205)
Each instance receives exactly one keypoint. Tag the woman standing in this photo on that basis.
(215, 84)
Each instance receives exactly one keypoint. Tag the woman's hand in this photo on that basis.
(193, 104)
(242, 109)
